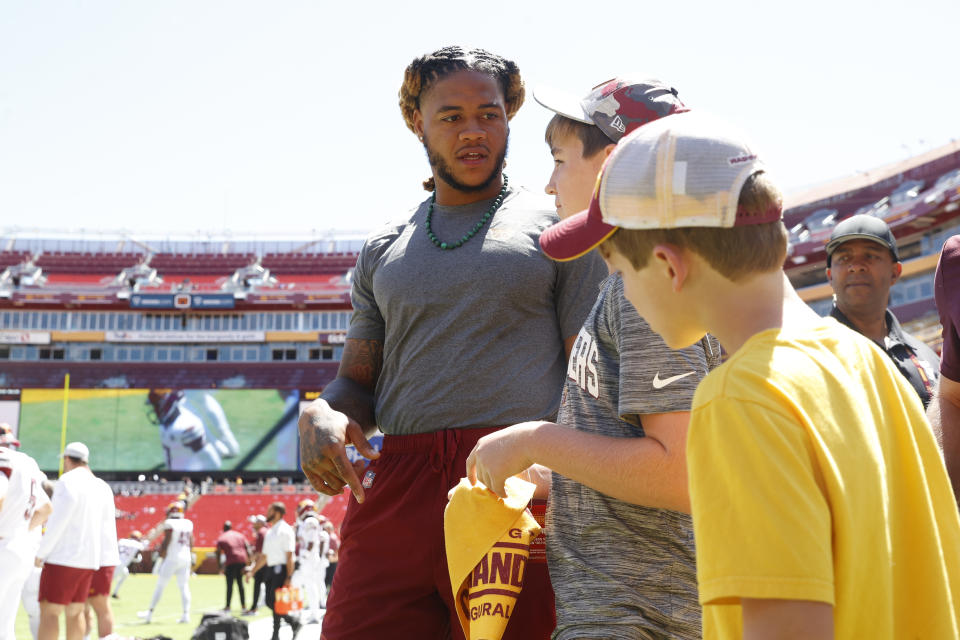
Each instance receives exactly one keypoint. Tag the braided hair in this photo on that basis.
(424, 71)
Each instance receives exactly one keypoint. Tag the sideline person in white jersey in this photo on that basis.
(23, 508)
(130, 550)
(312, 545)
(31, 588)
(202, 403)
(278, 546)
(71, 550)
(184, 439)
(100, 585)
(175, 554)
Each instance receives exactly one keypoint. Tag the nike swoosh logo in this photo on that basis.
(660, 384)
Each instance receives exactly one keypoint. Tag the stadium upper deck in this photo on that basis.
(919, 198)
(117, 311)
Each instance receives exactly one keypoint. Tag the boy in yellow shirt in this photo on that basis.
(820, 502)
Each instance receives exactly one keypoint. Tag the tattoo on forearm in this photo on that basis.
(362, 361)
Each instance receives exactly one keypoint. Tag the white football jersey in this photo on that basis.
(308, 533)
(24, 492)
(129, 548)
(185, 444)
(181, 532)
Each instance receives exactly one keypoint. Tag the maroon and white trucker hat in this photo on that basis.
(685, 170)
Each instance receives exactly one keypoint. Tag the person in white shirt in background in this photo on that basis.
(176, 560)
(30, 596)
(205, 406)
(278, 548)
(100, 586)
(23, 508)
(312, 545)
(130, 550)
(71, 549)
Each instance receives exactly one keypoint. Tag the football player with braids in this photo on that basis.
(460, 326)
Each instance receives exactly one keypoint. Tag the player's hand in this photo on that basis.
(499, 455)
(37, 562)
(324, 434)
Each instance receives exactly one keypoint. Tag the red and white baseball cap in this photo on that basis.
(7, 437)
(617, 106)
(685, 170)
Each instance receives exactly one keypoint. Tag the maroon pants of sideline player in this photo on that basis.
(392, 580)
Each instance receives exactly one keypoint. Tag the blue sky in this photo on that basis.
(281, 117)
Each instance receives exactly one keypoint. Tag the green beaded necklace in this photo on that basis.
(462, 241)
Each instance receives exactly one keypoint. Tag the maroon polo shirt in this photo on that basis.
(233, 545)
(946, 290)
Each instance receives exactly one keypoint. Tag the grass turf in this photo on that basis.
(208, 594)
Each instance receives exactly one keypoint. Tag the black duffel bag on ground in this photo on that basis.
(221, 626)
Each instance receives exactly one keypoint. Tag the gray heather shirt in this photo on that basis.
(621, 570)
(472, 337)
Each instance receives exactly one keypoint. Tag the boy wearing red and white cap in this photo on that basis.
(820, 502)
(617, 454)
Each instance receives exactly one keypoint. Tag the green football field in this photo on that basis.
(208, 594)
(115, 424)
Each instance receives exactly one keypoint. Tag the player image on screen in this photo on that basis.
(182, 434)
(196, 429)
(206, 407)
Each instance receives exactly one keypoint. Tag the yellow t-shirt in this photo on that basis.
(814, 475)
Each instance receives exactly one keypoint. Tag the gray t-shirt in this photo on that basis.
(472, 337)
(621, 570)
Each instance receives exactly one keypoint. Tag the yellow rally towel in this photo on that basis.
(488, 543)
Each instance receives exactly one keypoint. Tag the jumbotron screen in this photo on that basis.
(165, 429)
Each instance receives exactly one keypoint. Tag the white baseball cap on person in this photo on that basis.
(76, 450)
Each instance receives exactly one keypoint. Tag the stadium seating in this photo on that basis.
(86, 262)
(140, 513)
(95, 272)
(10, 258)
(848, 200)
(307, 263)
(208, 512)
(223, 264)
(49, 374)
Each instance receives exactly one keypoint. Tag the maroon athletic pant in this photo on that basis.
(392, 580)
